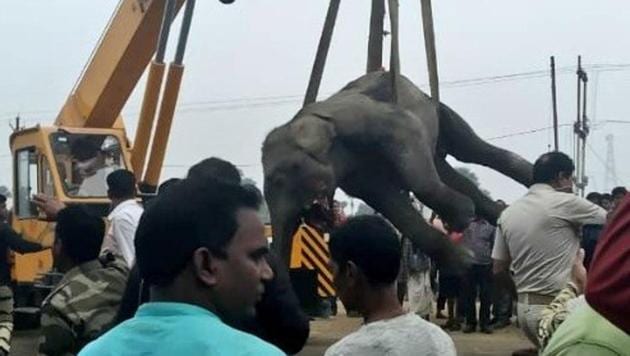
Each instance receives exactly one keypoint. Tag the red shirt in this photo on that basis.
(608, 283)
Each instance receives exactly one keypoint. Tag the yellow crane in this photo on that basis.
(71, 158)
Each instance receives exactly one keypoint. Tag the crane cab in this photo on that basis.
(68, 163)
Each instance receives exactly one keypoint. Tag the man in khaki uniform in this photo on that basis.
(86, 300)
(537, 238)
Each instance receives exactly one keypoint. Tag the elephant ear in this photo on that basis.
(314, 135)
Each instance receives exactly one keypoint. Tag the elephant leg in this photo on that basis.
(462, 142)
(484, 206)
(415, 164)
(395, 205)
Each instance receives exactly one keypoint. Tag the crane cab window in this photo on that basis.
(27, 182)
(84, 161)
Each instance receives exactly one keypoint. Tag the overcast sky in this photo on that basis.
(249, 50)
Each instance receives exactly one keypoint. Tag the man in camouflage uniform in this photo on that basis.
(86, 300)
(9, 240)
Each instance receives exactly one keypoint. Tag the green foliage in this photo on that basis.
(470, 175)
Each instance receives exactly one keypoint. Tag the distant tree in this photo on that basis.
(471, 176)
(468, 173)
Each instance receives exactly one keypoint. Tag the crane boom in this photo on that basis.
(117, 64)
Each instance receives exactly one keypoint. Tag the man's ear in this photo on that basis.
(352, 273)
(57, 247)
(205, 266)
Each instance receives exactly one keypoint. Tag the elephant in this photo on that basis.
(379, 151)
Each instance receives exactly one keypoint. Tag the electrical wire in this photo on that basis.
(249, 102)
(523, 133)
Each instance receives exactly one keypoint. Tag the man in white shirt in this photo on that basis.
(365, 258)
(537, 237)
(94, 185)
(124, 217)
(91, 166)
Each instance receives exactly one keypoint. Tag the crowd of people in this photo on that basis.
(191, 272)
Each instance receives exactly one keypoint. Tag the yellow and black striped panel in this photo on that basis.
(310, 250)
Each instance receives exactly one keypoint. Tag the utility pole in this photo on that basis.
(554, 103)
(16, 126)
(581, 130)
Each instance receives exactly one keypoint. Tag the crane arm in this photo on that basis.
(116, 65)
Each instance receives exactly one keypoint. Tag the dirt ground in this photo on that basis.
(325, 332)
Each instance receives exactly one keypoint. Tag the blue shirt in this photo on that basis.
(176, 329)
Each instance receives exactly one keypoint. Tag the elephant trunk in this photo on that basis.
(285, 219)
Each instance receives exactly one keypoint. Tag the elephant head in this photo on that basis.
(297, 173)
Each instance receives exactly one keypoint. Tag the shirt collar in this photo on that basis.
(541, 187)
(172, 309)
(83, 268)
(122, 206)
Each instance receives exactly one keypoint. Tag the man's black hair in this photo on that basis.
(607, 196)
(121, 184)
(594, 197)
(217, 169)
(3, 199)
(84, 148)
(192, 213)
(372, 244)
(81, 233)
(619, 191)
(167, 184)
(550, 165)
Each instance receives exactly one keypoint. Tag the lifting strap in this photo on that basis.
(394, 58)
(375, 46)
(429, 45)
(322, 53)
(375, 42)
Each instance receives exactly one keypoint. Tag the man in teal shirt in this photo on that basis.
(201, 248)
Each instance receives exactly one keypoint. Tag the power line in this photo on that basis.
(616, 121)
(526, 132)
(532, 131)
(243, 99)
(532, 75)
(186, 166)
(258, 101)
